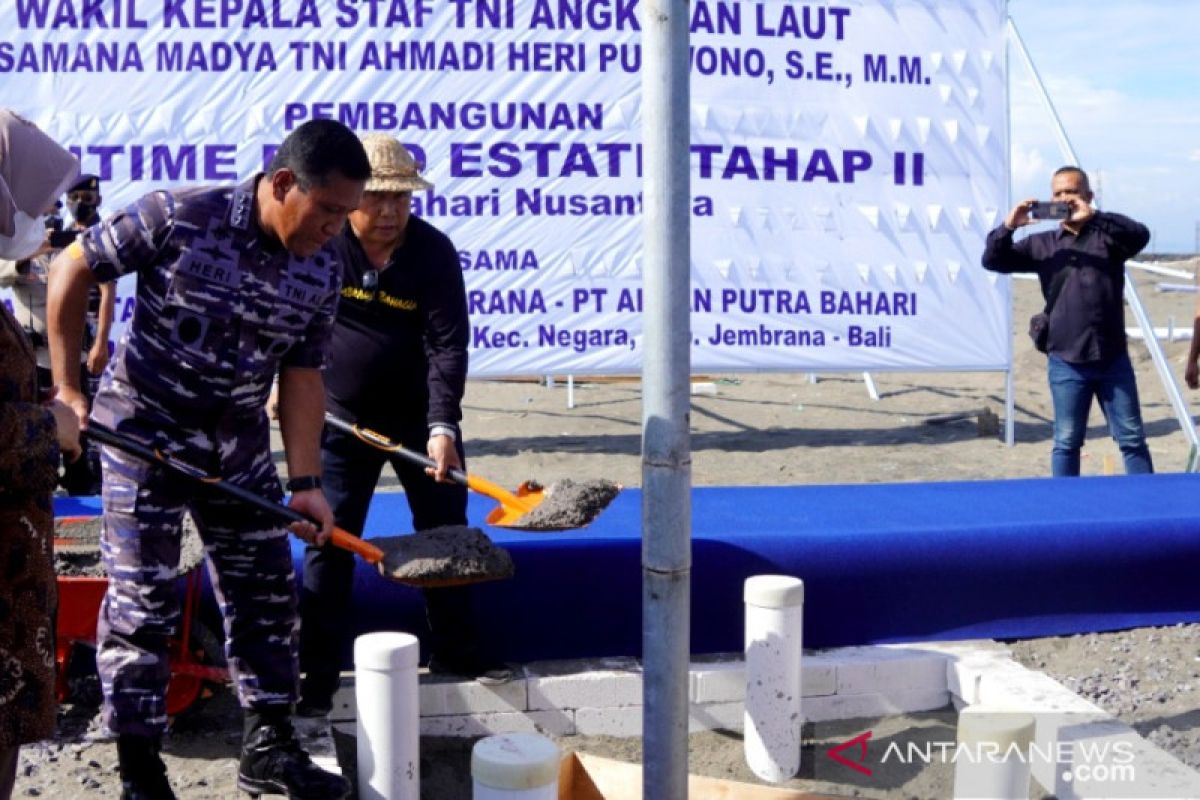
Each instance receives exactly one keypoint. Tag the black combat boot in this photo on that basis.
(274, 763)
(143, 774)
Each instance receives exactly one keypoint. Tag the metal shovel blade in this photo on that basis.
(514, 507)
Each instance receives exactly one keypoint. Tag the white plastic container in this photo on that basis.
(774, 639)
(385, 692)
(515, 766)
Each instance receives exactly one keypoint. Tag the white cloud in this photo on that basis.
(1124, 87)
(1029, 168)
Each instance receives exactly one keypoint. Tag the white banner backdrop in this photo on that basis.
(847, 159)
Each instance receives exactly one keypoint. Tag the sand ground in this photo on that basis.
(772, 429)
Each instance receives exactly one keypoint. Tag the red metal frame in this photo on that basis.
(79, 600)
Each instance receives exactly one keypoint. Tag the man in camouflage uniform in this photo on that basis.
(235, 285)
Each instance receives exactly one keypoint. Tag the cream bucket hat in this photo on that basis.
(393, 169)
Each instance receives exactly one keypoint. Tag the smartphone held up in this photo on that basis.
(1042, 210)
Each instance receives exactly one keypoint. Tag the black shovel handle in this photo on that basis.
(383, 443)
(105, 435)
(339, 538)
(511, 503)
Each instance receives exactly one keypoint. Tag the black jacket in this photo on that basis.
(1087, 322)
(398, 355)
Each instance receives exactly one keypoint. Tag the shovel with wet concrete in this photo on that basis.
(564, 505)
(452, 555)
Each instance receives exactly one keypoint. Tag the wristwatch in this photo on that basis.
(303, 483)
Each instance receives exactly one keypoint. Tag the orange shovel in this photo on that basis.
(512, 507)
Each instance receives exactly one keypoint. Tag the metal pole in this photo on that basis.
(1010, 409)
(666, 449)
(1060, 132)
(872, 389)
(1178, 404)
(1170, 385)
(1010, 397)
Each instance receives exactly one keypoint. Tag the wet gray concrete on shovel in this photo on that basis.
(569, 504)
(445, 556)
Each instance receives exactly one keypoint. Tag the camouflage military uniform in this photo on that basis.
(220, 309)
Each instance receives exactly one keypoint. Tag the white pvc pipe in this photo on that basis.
(385, 692)
(774, 636)
(515, 766)
(993, 758)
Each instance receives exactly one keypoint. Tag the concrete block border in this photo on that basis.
(604, 697)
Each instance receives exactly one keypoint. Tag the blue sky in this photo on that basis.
(1125, 80)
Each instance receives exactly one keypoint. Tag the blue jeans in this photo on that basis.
(1072, 386)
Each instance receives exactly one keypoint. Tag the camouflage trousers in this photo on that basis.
(250, 564)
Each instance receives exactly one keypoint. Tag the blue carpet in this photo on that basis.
(880, 563)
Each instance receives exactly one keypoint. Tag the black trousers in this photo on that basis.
(351, 470)
(8, 770)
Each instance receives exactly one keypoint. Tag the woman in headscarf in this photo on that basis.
(34, 170)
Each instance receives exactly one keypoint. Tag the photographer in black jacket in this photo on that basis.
(1081, 265)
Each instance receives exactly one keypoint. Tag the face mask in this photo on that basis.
(28, 235)
(81, 212)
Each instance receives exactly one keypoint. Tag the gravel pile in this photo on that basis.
(450, 555)
(1149, 678)
(569, 504)
(78, 552)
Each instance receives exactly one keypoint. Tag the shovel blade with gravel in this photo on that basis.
(575, 504)
(567, 504)
(451, 555)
